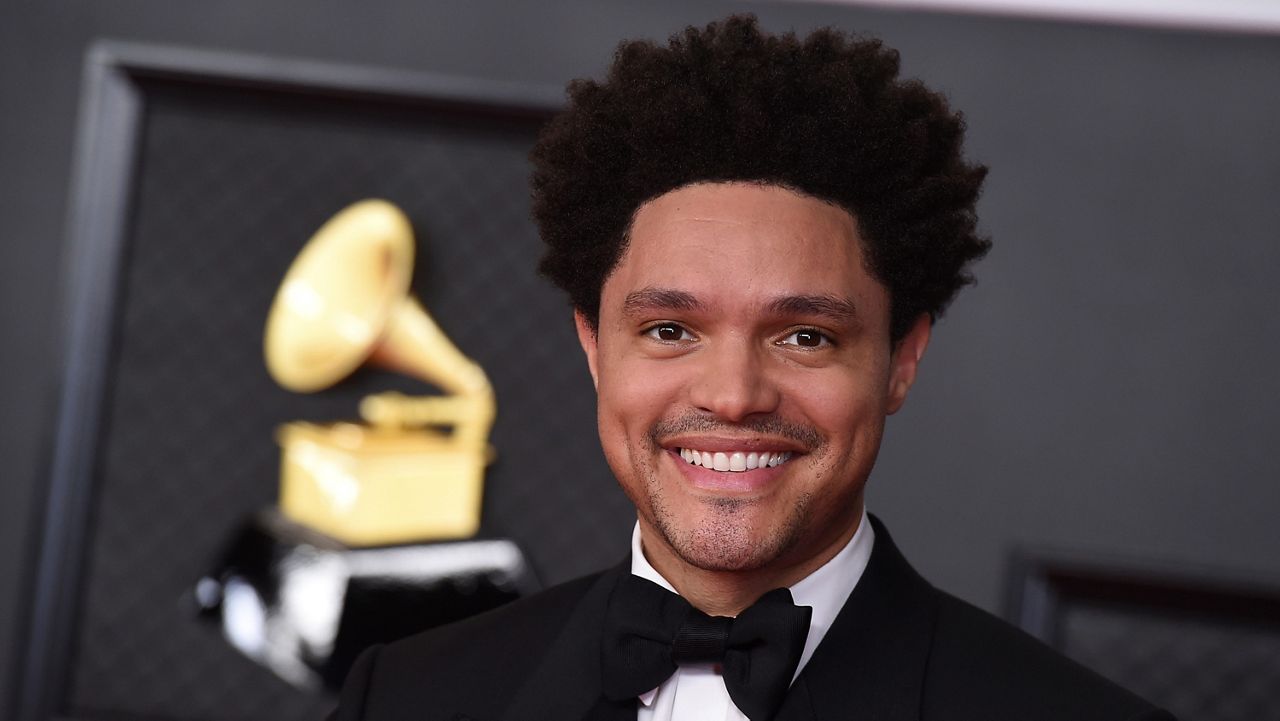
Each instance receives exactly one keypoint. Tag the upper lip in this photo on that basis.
(726, 444)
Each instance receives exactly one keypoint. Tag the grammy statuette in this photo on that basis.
(373, 537)
(344, 302)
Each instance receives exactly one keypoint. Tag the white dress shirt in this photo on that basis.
(695, 692)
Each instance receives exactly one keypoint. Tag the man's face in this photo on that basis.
(744, 371)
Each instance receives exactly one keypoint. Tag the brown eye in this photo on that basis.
(808, 338)
(668, 332)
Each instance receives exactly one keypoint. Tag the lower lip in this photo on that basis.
(707, 479)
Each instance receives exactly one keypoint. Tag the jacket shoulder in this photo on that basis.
(983, 667)
(477, 663)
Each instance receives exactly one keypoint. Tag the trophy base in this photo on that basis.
(369, 486)
(305, 605)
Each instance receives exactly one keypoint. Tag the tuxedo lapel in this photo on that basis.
(566, 684)
(872, 661)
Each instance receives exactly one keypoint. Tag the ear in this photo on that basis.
(590, 345)
(906, 360)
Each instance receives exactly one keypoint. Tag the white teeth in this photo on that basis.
(721, 461)
(736, 461)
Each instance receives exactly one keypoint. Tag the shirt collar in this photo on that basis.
(824, 590)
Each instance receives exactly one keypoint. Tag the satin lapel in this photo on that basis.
(871, 664)
(566, 684)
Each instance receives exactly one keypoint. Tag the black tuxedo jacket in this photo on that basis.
(899, 650)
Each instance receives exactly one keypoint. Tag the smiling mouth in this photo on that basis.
(736, 461)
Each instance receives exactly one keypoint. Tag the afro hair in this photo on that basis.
(825, 115)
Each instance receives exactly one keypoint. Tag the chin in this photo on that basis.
(725, 537)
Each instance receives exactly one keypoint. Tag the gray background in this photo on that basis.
(1108, 388)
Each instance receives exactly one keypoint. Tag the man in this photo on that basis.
(756, 233)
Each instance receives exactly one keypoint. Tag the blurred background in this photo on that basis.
(1095, 422)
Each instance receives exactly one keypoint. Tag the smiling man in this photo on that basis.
(740, 324)
(757, 233)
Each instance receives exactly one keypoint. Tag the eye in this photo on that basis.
(806, 338)
(668, 332)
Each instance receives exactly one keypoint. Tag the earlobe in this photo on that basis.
(905, 361)
(587, 338)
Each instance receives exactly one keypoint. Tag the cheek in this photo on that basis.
(639, 389)
(630, 403)
(838, 403)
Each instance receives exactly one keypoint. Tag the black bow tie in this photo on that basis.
(649, 631)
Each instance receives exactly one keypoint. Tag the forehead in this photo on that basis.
(744, 243)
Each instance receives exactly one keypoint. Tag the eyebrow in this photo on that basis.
(650, 299)
(835, 308)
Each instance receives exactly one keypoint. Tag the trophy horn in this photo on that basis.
(345, 302)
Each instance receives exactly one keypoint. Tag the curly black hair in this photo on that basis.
(825, 115)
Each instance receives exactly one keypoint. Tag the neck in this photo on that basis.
(729, 592)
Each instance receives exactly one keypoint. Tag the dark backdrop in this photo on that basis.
(1108, 388)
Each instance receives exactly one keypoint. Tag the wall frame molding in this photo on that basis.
(1042, 586)
(110, 126)
(1198, 643)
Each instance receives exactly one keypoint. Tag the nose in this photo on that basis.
(733, 381)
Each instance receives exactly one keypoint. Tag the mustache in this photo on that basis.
(770, 425)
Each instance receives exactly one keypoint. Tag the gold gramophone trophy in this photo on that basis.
(414, 470)
(368, 542)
